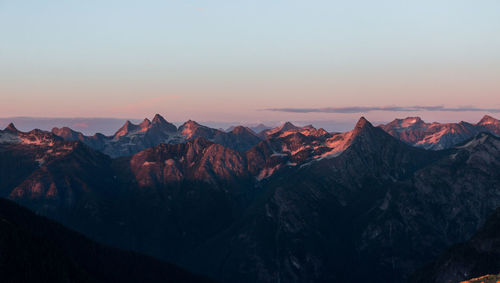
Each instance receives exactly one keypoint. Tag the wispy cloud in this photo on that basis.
(364, 109)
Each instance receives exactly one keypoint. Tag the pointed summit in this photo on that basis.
(11, 128)
(145, 124)
(488, 120)
(288, 126)
(190, 129)
(158, 119)
(283, 128)
(125, 129)
(362, 127)
(362, 123)
(160, 122)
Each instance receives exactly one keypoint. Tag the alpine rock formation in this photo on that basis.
(131, 138)
(435, 135)
(290, 204)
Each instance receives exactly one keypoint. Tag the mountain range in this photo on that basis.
(288, 204)
(414, 131)
(132, 138)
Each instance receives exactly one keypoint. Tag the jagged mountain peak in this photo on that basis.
(192, 129)
(125, 129)
(128, 125)
(362, 124)
(189, 125)
(288, 126)
(365, 133)
(160, 122)
(11, 128)
(487, 120)
(158, 119)
(145, 123)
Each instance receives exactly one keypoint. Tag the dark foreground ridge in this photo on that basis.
(35, 249)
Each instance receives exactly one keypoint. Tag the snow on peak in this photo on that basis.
(410, 121)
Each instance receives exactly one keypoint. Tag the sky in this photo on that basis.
(250, 61)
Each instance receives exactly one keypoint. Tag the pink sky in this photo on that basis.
(227, 61)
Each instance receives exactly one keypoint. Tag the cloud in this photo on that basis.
(364, 109)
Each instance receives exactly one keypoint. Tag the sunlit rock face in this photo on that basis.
(132, 138)
(437, 136)
(11, 135)
(198, 159)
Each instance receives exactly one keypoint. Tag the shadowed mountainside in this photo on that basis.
(35, 249)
